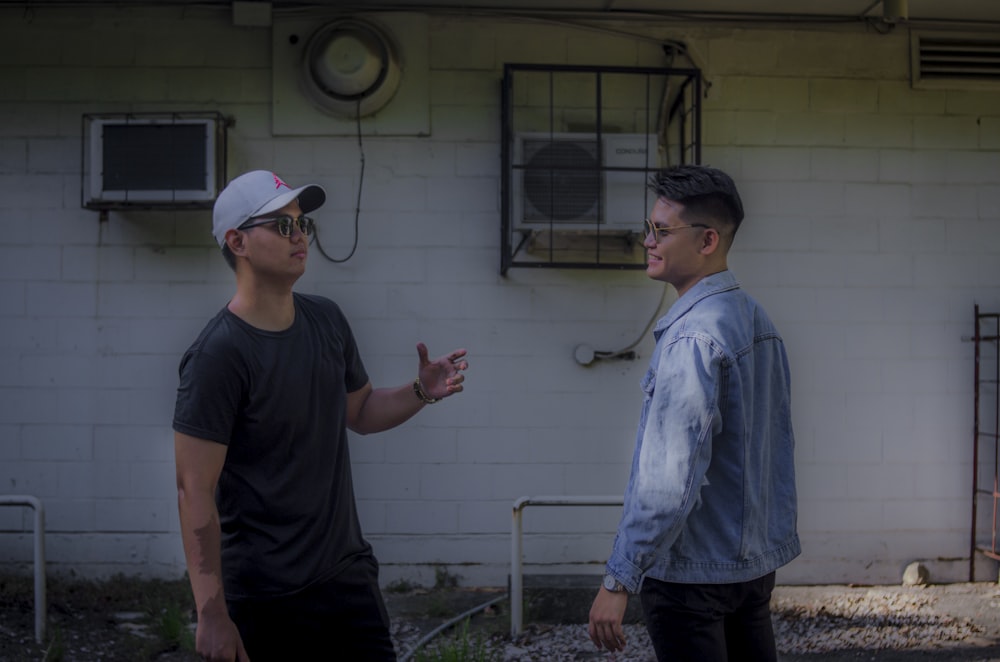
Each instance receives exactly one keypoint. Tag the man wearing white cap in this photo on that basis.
(277, 561)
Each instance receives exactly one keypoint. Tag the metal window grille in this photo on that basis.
(578, 146)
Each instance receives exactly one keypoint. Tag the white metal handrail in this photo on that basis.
(36, 505)
(517, 552)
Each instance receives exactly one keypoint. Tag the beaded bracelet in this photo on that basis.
(419, 390)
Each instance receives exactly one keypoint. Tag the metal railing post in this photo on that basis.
(516, 587)
(517, 553)
(39, 539)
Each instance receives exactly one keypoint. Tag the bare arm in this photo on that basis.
(376, 409)
(199, 463)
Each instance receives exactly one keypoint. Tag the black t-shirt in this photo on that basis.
(278, 401)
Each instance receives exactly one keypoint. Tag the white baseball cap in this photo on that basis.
(258, 193)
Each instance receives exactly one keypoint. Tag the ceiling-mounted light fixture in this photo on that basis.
(350, 68)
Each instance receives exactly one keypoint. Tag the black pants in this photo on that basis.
(710, 622)
(340, 619)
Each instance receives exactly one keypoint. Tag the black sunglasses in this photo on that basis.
(283, 224)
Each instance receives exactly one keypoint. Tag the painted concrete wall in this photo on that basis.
(873, 228)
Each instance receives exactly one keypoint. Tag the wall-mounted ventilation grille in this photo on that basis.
(955, 60)
(561, 181)
(323, 67)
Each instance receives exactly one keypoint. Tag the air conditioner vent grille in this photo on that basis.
(562, 181)
(955, 59)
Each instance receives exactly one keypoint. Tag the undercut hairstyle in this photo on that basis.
(707, 194)
(229, 257)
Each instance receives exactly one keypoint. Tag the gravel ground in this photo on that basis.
(943, 623)
(110, 622)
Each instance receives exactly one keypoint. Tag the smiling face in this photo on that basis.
(685, 253)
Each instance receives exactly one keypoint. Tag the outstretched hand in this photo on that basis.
(442, 376)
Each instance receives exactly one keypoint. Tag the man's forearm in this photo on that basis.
(203, 550)
(387, 407)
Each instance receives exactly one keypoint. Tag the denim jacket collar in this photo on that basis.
(722, 281)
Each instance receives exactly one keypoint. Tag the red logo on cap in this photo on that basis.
(278, 183)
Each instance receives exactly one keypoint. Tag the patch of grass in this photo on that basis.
(16, 592)
(55, 651)
(460, 648)
(167, 604)
(444, 579)
(172, 625)
(401, 586)
(147, 595)
(439, 606)
(82, 619)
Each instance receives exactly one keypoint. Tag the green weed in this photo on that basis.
(55, 651)
(438, 606)
(172, 626)
(460, 648)
(401, 586)
(444, 579)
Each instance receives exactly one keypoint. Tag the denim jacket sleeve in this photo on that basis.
(680, 416)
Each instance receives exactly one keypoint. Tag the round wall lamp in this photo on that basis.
(350, 68)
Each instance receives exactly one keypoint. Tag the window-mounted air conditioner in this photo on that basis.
(577, 182)
(152, 160)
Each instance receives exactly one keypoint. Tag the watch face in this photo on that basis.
(609, 582)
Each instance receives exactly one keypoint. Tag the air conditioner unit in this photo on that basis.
(577, 182)
(167, 160)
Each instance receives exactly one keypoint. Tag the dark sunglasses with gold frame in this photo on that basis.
(283, 224)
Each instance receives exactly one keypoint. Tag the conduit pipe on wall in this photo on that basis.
(36, 505)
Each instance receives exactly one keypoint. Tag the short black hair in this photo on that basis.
(706, 193)
(229, 257)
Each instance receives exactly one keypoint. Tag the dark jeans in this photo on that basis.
(710, 622)
(340, 619)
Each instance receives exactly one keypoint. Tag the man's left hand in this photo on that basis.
(442, 376)
(606, 616)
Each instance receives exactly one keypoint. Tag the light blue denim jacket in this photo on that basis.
(711, 498)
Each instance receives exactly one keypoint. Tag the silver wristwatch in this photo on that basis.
(612, 584)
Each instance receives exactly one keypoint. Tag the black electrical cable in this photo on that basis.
(357, 208)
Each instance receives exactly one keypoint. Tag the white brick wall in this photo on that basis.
(873, 227)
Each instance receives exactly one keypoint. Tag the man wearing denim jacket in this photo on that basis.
(710, 506)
